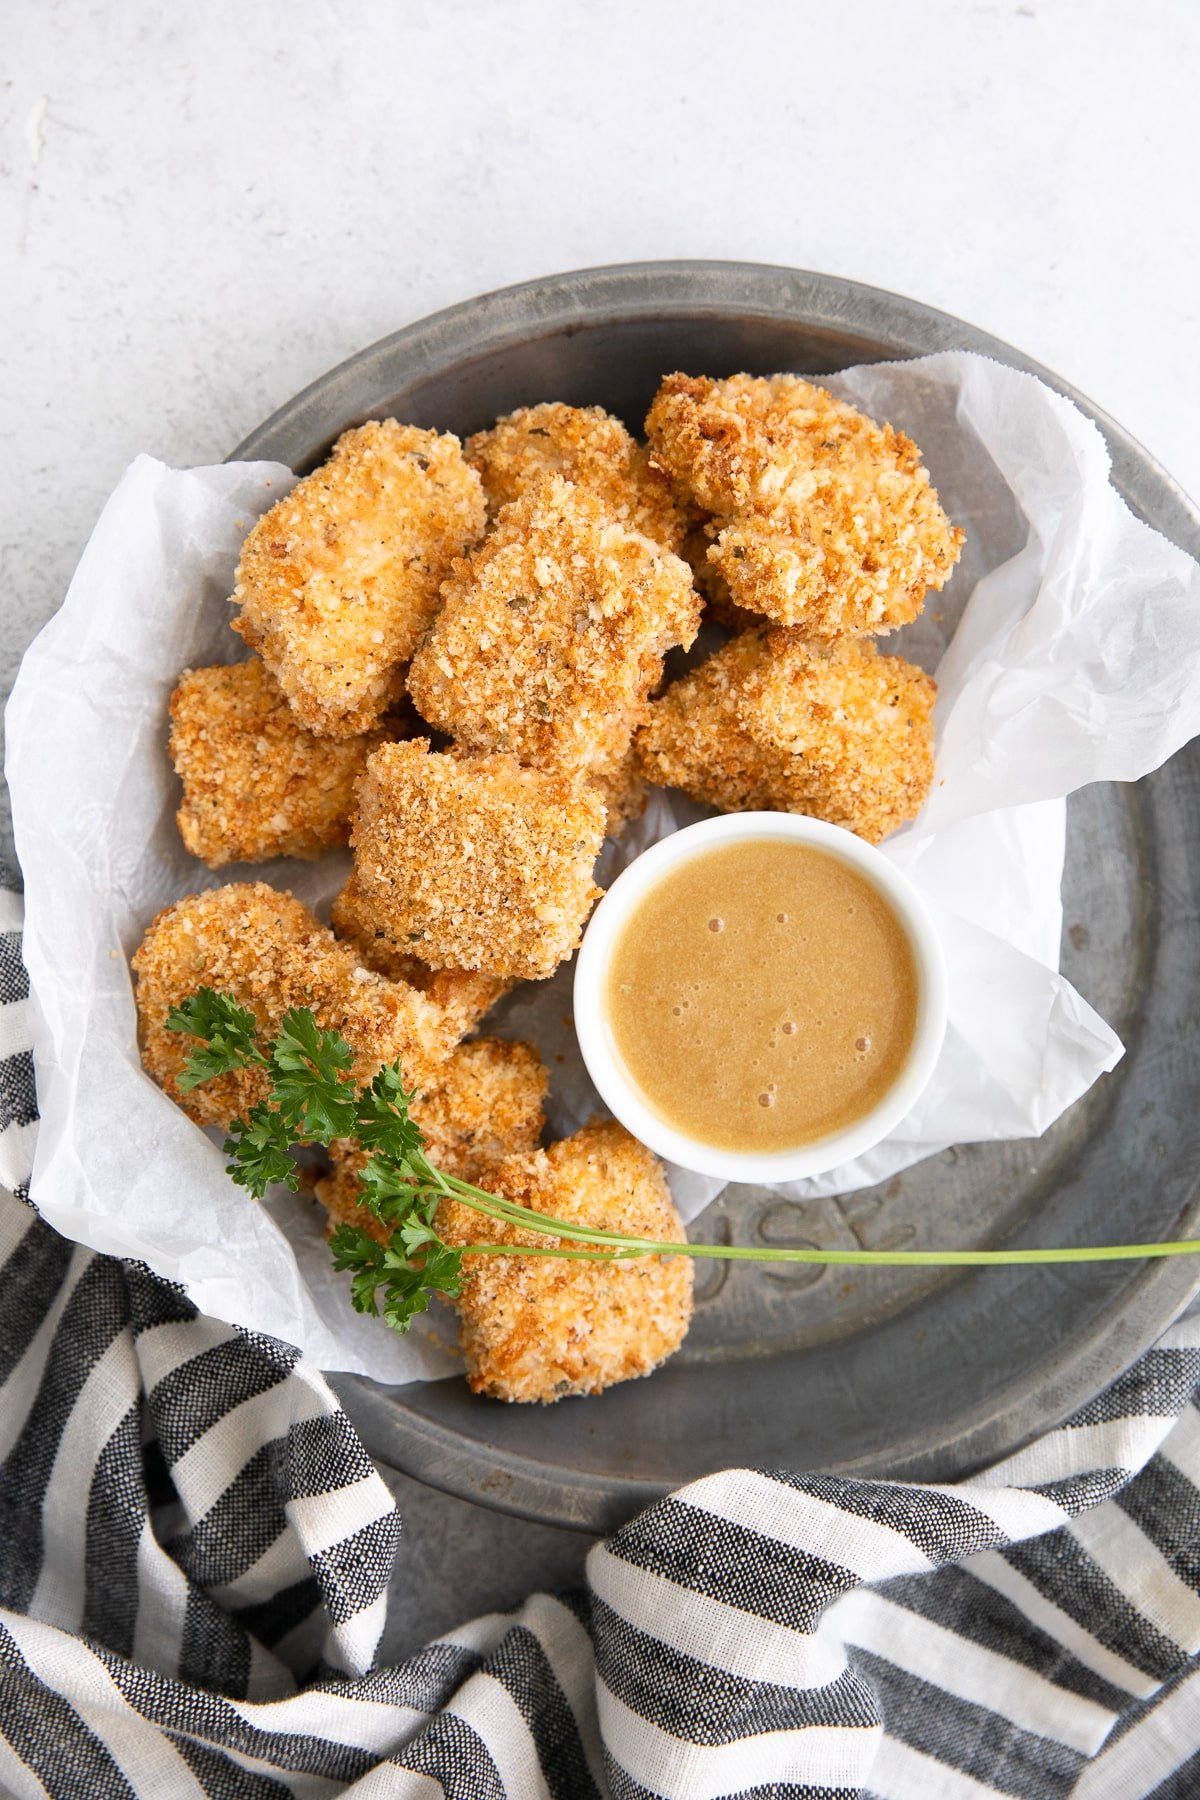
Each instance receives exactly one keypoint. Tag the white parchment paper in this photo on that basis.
(1067, 650)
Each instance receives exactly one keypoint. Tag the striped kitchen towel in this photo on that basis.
(195, 1554)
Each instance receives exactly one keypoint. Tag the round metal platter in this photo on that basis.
(921, 1374)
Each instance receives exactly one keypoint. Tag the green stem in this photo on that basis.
(611, 1241)
(557, 1250)
(496, 1207)
(896, 1259)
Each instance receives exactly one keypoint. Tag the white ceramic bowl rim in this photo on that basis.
(626, 1102)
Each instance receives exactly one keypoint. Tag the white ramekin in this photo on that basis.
(626, 1101)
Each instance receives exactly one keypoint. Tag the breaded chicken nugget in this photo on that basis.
(338, 581)
(256, 784)
(552, 633)
(485, 1104)
(536, 1328)
(588, 447)
(462, 994)
(822, 518)
(474, 861)
(267, 950)
(779, 721)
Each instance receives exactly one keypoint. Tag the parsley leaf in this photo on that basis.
(441, 1267)
(388, 1190)
(406, 1284)
(228, 1034)
(260, 1148)
(312, 1088)
(382, 1120)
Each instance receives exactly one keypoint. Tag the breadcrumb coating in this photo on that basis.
(266, 949)
(475, 862)
(256, 784)
(485, 1104)
(463, 994)
(779, 721)
(552, 633)
(338, 581)
(822, 518)
(587, 446)
(537, 1328)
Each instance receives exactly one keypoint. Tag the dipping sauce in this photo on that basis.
(762, 995)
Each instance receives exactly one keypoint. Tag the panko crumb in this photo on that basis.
(779, 721)
(587, 446)
(271, 953)
(485, 1104)
(822, 518)
(256, 784)
(552, 633)
(337, 582)
(464, 994)
(537, 1328)
(474, 862)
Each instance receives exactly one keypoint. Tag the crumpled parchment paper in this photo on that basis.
(1067, 650)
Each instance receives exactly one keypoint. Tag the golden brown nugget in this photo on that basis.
(588, 447)
(338, 581)
(462, 994)
(822, 518)
(267, 950)
(778, 721)
(485, 1104)
(552, 633)
(539, 1327)
(475, 862)
(256, 784)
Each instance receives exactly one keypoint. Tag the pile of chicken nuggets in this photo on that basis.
(458, 669)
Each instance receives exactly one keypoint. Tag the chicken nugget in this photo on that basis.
(475, 862)
(779, 721)
(266, 949)
(552, 633)
(485, 1104)
(338, 581)
(256, 784)
(539, 1327)
(822, 518)
(463, 994)
(588, 447)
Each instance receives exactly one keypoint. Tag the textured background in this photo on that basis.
(201, 209)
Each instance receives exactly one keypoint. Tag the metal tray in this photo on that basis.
(920, 1374)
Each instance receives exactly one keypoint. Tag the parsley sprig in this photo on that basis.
(314, 1099)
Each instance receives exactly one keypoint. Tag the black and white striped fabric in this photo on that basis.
(195, 1553)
